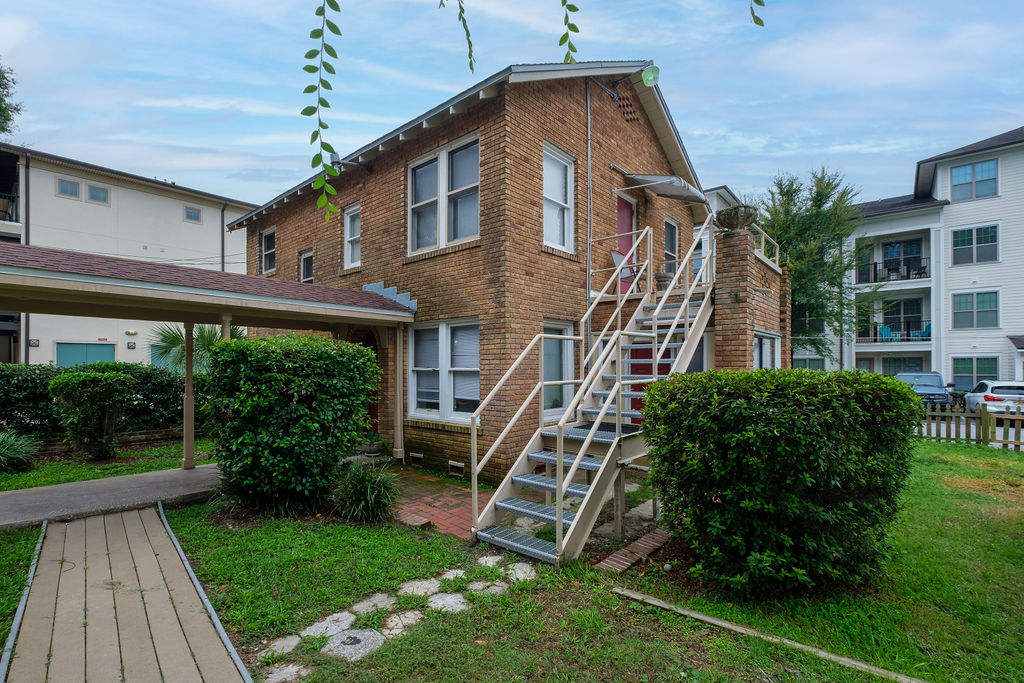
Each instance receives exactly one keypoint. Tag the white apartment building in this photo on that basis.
(52, 201)
(945, 261)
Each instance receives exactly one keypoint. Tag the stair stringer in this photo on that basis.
(601, 488)
(508, 488)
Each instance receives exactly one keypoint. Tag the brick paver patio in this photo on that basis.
(441, 502)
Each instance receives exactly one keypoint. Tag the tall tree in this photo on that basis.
(8, 108)
(812, 223)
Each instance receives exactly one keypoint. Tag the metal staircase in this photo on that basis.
(648, 335)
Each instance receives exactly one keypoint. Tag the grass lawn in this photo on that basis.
(950, 605)
(69, 468)
(16, 548)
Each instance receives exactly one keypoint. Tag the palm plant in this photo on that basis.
(168, 344)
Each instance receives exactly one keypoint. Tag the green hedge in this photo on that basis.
(284, 411)
(89, 406)
(781, 479)
(27, 408)
(157, 398)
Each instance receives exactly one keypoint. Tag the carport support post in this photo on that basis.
(188, 462)
(225, 326)
(399, 449)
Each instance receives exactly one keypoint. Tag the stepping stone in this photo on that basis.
(447, 602)
(282, 645)
(397, 624)
(373, 603)
(520, 571)
(354, 644)
(490, 560)
(527, 525)
(488, 587)
(453, 574)
(288, 672)
(632, 486)
(420, 587)
(336, 623)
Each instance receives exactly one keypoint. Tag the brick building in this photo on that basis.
(495, 215)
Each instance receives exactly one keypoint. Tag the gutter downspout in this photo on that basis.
(223, 261)
(25, 328)
(585, 347)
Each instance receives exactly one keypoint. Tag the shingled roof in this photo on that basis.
(907, 202)
(926, 167)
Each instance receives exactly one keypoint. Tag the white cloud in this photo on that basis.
(251, 107)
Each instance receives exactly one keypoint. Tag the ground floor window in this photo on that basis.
(969, 371)
(809, 363)
(558, 366)
(444, 378)
(767, 351)
(896, 365)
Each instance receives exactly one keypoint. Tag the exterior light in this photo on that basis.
(650, 76)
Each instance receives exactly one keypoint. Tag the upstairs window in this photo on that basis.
(69, 188)
(99, 194)
(975, 245)
(974, 310)
(353, 237)
(268, 251)
(671, 245)
(193, 214)
(306, 266)
(558, 199)
(974, 180)
(444, 197)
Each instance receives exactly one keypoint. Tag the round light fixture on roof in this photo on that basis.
(650, 76)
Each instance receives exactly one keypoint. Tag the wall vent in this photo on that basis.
(456, 469)
(416, 459)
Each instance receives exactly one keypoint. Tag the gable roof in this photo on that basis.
(121, 175)
(907, 202)
(925, 176)
(651, 99)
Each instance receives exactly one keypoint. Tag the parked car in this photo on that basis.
(996, 396)
(929, 386)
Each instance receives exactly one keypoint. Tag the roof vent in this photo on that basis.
(628, 110)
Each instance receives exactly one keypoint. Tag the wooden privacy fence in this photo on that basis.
(942, 423)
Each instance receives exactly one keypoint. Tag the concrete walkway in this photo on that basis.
(112, 601)
(81, 498)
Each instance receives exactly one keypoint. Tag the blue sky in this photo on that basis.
(207, 92)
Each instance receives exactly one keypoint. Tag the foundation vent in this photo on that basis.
(456, 469)
(416, 459)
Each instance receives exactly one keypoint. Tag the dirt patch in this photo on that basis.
(1006, 489)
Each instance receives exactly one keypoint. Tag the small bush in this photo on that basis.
(365, 493)
(89, 406)
(781, 479)
(27, 408)
(16, 451)
(284, 411)
(157, 398)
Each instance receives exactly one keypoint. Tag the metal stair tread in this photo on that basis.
(521, 543)
(542, 483)
(664, 318)
(587, 463)
(611, 412)
(671, 345)
(630, 378)
(581, 433)
(625, 394)
(539, 511)
(678, 304)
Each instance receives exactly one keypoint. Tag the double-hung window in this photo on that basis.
(268, 251)
(444, 197)
(967, 372)
(975, 245)
(974, 180)
(671, 245)
(976, 309)
(767, 351)
(558, 199)
(353, 237)
(306, 266)
(558, 367)
(444, 370)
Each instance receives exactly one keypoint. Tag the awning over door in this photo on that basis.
(671, 186)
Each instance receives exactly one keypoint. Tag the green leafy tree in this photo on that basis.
(168, 342)
(8, 108)
(813, 223)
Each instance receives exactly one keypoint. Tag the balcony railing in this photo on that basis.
(9, 208)
(902, 330)
(894, 269)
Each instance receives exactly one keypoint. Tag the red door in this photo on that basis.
(624, 226)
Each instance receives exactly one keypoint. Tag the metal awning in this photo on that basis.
(670, 186)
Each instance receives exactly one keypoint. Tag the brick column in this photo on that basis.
(734, 284)
(786, 316)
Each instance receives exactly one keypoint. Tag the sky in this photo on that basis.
(206, 93)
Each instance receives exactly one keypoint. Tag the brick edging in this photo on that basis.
(640, 549)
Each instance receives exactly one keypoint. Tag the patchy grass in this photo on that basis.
(947, 606)
(16, 548)
(61, 470)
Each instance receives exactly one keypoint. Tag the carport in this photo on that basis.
(61, 282)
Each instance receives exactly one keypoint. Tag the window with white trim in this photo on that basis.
(268, 251)
(306, 266)
(975, 245)
(671, 245)
(558, 367)
(444, 370)
(972, 181)
(976, 309)
(558, 193)
(193, 214)
(71, 189)
(353, 237)
(767, 351)
(452, 174)
(809, 363)
(99, 194)
(969, 371)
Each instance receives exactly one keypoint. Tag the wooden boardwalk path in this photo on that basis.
(111, 601)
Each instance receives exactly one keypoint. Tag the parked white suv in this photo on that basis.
(996, 396)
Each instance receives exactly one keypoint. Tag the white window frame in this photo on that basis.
(444, 413)
(347, 239)
(974, 180)
(303, 255)
(77, 183)
(975, 292)
(671, 268)
(974, 366)
(759, 336)
(88, 189)
(443, 191)
(974, 243)
(568, 366)
(261, 263)
(184, 214)
(570, 208)
(807, 363)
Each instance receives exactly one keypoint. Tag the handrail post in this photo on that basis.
(540, 372)
(650, 262)
(473, 459)
(619, 406)
(559, 474)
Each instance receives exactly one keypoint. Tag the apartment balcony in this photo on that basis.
(912, 330)
(894, 270)
(9, 208)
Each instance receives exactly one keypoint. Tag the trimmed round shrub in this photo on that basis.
(16, 451)
(365, 493)
(27, 408)
(284, 411)
(89, 406)
(781, 479)
(157, 399)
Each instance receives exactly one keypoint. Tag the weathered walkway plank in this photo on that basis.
(31, 656)
(102, 653)
(67, 655)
